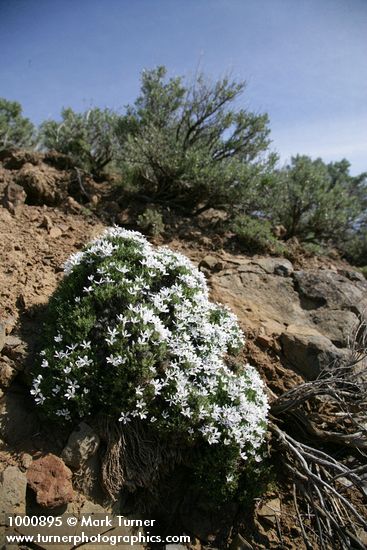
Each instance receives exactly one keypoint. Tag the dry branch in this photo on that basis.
(329, 410)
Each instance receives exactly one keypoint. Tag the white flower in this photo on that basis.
(37, 381)
(85, 344)
(83, 361)
(116, 361)
(157, 385)
(171, 400)
(40, 399)
(74, 259)
(72, 387)
(113, 332)
(88, 289)
(124, 418)
(123, 269)
(72, 347)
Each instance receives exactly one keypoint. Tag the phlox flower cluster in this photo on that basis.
(132, 334)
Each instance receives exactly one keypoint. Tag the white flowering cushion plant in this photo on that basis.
(132, 335)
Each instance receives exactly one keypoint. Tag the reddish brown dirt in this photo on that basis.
(32, 254)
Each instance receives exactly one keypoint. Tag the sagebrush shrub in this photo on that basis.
(131, 334)
(187, 146)
(256, 235)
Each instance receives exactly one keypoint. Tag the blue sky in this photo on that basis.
(304, 60)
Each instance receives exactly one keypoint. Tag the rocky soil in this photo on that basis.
(299, 317)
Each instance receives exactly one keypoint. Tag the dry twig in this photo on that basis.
(330, 409)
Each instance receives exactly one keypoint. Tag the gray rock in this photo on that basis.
(212, 263)
(13, 341)
(16, 349)
(352, 275)
(82, 444)
(12, 491)
(310, 353)
(7, 372)
(328, 288)
(275, 266)
(337, 325)
(245, 266)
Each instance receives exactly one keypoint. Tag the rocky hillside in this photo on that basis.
(299, 317)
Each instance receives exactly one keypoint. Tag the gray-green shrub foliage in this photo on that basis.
(88, 138)
(256, 235)
(317, 201)
(15, 129)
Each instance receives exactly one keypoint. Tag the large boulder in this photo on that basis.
(262, 300)
(312, 313)
(310, 353)
(275, 266)
(336, 324)
(318, 288)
